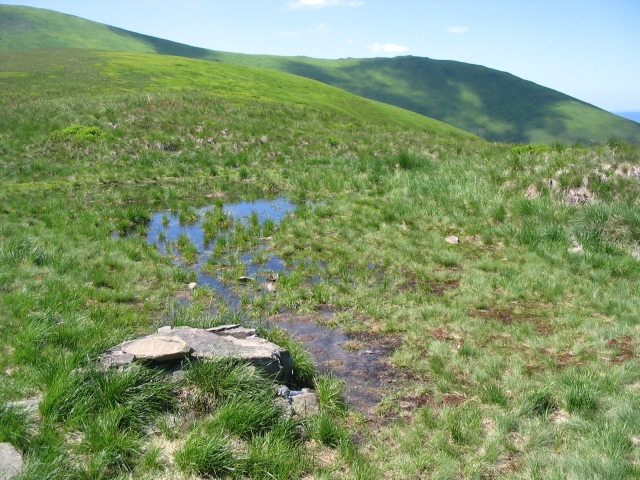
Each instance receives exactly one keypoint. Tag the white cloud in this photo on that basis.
(293, 4)
(387, 48)
(322, 28)
(457, 30)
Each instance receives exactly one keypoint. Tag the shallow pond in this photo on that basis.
(360, 364)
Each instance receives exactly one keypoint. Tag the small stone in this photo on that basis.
(577, 249)
(244, 279)
(158, 348)
(11, 463)
(192, 285)
(282, 391)
(306, 404)
(453, 240)
(272, 277)
(166, 329)
(270, 287)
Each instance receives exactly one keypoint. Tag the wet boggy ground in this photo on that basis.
(360, 359)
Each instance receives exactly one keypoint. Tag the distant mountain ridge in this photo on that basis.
(493, 104)
(635, 116)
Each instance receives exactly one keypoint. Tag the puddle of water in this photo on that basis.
(355, 367)
(361, 369)
(166, 228)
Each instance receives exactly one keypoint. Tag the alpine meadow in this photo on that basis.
(487, 291)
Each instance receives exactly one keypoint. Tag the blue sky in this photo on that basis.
(589, 49)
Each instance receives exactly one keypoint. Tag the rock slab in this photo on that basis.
(197, 343)
(159, 348)
(11, 464)
(273, 359)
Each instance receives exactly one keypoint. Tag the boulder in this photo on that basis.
(11, 464)
(159, 348)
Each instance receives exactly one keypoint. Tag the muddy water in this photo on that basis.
(363, 367)
(364, 370)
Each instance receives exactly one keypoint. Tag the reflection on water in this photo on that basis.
(357, 368)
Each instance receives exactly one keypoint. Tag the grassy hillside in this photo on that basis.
(513, 354)
(477, 99)
(65, 72)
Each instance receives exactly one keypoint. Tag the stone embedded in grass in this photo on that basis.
(305, 404)
(274, 359)
(198, 343)
(11, 463)
(192, 285)
(577, 249)
(157, 348)
(453, 240)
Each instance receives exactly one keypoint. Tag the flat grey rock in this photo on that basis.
(179, 342)
(160, 348)
(273, 359)
(11, 464)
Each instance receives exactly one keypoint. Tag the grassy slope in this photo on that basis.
(475, 98)
(59, 72)
(518, 358)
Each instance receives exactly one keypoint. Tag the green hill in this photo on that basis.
(494, 104)
(65, 73)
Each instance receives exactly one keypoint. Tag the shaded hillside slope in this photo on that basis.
(68, 72)
(494, 104)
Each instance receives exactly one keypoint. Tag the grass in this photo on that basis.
(516, 354)
(480, 100)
